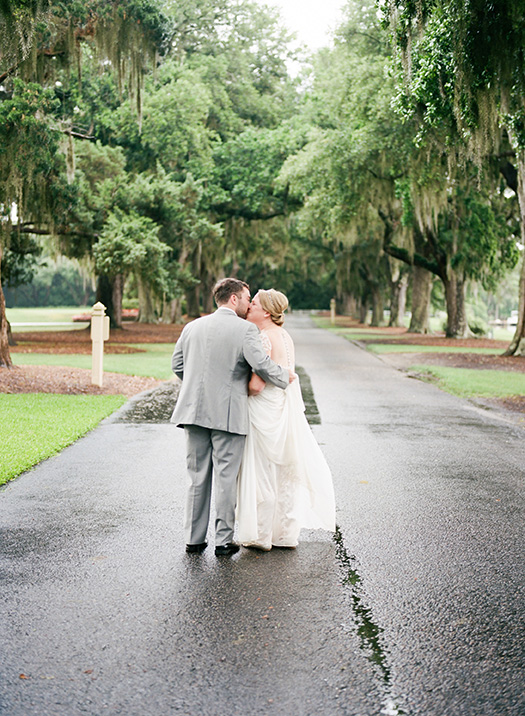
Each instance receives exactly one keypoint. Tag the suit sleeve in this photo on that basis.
(177, 359)
(260, 362)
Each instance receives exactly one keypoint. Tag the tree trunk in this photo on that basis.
(116, 294)
(517, 345)
(10, 337)
(457, 326)
(193, 302)
(421, 290)
(398, 300)
(173, 311)
(5, 356)
(147, 313)
(363, 311)
(347, 305)
(193, 293)
(208, 305)
(104, 294)
(209, 278)
(377, 306)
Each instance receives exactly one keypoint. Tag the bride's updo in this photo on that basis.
(275, 303)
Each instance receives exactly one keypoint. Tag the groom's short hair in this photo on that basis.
(227, 287)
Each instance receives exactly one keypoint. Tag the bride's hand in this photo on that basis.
(256, 385)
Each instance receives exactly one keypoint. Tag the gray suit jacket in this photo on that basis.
(214, 357)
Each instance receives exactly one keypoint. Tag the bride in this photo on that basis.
(284, 483)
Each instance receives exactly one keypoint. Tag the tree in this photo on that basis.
(465, 61)
(211, 116)
(365, 166)
(467, 238)
(37, 40)
(129, 243)
(27, 159)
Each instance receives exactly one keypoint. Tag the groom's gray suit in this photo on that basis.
(214, 357)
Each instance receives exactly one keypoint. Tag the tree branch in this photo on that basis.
(388, 178)
(404, 255)
(62, 231)
(77, 135)
(9, 72)
(510, 174)
(412, 259)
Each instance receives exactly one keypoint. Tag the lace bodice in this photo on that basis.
(281, 350)
(267, 344)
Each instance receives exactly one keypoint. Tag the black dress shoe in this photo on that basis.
(196, 548)
(225, 550)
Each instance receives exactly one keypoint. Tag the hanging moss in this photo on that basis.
(37, 39)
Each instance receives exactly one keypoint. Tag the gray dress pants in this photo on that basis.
(211, 454)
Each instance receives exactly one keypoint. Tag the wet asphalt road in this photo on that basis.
(415, 607)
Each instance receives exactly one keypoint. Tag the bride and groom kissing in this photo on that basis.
(241, 409)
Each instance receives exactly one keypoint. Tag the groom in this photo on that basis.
(214, 358)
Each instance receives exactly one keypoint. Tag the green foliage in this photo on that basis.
(129, 242)
(484, 43)
(247, 169)
(28, 146)
(37, 426)
(20, 260)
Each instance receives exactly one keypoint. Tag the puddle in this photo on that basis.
(312, 411)
(368, 631)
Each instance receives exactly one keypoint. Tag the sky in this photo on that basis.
(312, 20)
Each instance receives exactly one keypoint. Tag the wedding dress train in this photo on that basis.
(285, 483)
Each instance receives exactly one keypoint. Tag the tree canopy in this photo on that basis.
(165, 144)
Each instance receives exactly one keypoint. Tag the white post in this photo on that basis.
(332, 311)
(99, 334)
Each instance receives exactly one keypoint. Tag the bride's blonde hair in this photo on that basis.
(275, 303)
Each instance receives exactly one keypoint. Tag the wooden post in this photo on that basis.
(332, 311)
(99, 334)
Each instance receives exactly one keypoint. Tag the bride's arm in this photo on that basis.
(256, 385)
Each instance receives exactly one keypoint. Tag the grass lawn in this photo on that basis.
(35, 316)
(35, 426)
(352, 335)
(474, 383)
(154, 363)
(404, 348)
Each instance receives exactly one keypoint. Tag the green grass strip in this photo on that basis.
(469, 383)
(414, 348)
(362, 336)
(154, 363)
(35, 426)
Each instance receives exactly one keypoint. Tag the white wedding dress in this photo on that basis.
(284, 483)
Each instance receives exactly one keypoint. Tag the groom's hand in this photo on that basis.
(292, 376)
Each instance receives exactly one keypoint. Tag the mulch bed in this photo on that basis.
(70, 381)
(475, 361)
(79, 341)
(77, 381)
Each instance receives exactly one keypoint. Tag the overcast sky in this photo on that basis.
(312, 20)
